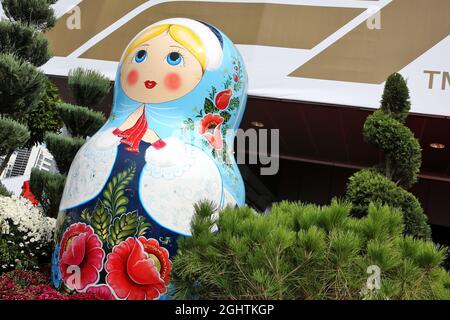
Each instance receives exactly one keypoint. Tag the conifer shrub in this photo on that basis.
(44, 117)
(37, 13)
(89, 87)
(4, 192)
(23, 48)
(388, 182)
(21, 85)
(13, 135)
(48, 188)
(63, 149)
(302, 251)
(369, 185)
(395, 99)
(25, 42)
(80, 121)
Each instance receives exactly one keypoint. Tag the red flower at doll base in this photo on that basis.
(138, 269)
(101, 292)
(81, 257)
(210, 129)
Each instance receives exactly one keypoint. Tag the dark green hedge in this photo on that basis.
(21, 85)
(370, 186)
(25, 42)
(80, 121)
(48, 189)
(63, 149)
(89, 87)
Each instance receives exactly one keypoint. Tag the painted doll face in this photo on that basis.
(159, 70)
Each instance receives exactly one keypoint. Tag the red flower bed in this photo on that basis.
(34, 285)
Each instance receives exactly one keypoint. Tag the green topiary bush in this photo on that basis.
(305, 252)
(37, 13)
(88, 87)
(44, 117)
(403, 156)
(21, 85)
(13, 135)
(63, 149)
(23, 47)
(25, 42)
(48, 189)
(4, 192)
(80, 121)
(368, 186)
(395, 100)
(402, 150)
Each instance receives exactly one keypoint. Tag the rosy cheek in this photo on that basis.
(133, 77)
(172, 81)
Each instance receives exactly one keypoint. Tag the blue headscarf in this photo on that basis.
(181, 118)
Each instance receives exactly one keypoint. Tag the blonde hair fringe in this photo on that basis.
(184, 36)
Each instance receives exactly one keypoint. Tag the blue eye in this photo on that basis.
(141, 56)
(174, 58)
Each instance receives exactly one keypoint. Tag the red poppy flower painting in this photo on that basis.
(223, 99)
(101, 292)
(81, 256)
(138, 269)
(210, 129)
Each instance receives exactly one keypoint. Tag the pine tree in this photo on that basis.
(44, 117)
(13, 135)
(36, 13)
(21, 86)
(49, 188)
(63, 148)
(387, 183)
(89, 87)
(299, 251)
(80, 121)
(23, 48)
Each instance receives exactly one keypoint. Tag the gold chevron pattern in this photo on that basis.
(409, 28)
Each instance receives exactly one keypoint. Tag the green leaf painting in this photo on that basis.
(114, 197)
(143, 226)
(100, 221)
(209, 106)
(225, 115)
(234, 103)
(123, 227)
(110, 219)
(85, 216)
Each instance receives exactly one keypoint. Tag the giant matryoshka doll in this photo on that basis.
(180, 94)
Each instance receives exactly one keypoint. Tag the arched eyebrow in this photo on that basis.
(177, 47)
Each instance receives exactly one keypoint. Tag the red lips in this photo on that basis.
(150, 84)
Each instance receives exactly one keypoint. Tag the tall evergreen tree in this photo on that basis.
(23, 48)
(36, 13)
(13, 135)
(388, 182)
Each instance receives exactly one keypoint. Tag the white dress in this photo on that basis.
(172, 181)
